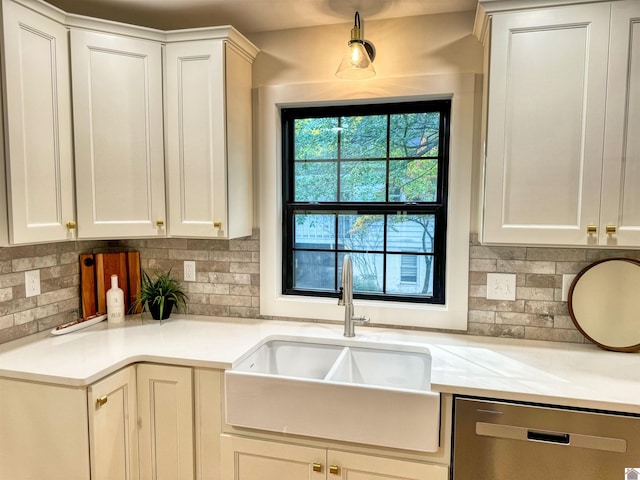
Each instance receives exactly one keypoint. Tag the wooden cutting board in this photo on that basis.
(95, 276)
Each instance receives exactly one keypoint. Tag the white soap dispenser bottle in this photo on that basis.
(115, 302)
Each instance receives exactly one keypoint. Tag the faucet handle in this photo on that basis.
(341, 296)
(361, 320)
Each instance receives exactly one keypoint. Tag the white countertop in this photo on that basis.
(546, 372)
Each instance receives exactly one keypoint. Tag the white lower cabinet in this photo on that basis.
(165, 422)
(141, 424)
(251, 459)
(113, 433)
(43, 431)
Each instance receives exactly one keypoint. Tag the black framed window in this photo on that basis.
(370, 181)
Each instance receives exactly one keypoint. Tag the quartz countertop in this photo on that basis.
(579, 375)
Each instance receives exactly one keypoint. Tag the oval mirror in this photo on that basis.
(604, 304)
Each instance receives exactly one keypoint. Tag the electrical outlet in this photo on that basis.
(501, 286)
(32, 283)
(567, 279)
(189, 271)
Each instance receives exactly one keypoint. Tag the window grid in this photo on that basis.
(338, 209)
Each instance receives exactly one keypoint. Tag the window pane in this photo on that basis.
(361, 232)
(315, 231)
(414, 135)
(410, 274)
(314, 270)
(410, 233)
(363, 181)
(368, 269)
(316, 138)
(413, 180)
(364, 137)
(316, 182)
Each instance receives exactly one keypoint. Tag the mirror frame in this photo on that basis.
(630, 348)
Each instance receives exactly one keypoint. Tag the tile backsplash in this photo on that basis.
(227, 278)
(538, 312)
(227, 283)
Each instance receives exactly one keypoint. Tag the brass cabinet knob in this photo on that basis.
(317, 467)
(160, 223)
(592, 229)
(217, 224)
(100, 401)
(334, 469)
(610, 229)
(71, 225)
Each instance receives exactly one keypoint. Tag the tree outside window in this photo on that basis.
(369, 181)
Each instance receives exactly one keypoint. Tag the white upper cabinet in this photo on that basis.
(209, 155)
(117, 107)
(38, 136)
(621, 172)
(546, 110)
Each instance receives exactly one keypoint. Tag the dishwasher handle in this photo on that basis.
(548, 437)
(561, 439)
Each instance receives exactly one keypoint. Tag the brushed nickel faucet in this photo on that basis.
(346, 299)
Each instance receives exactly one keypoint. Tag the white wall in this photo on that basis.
(418, 58)
(423, 45)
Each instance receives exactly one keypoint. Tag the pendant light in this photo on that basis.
(357, 61)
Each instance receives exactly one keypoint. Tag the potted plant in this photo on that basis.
(160, 295)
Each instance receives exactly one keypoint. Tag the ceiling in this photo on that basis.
(250, 16)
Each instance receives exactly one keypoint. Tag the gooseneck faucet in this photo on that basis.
(346, 299)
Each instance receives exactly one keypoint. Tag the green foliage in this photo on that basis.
(376, 158)
(160, 291)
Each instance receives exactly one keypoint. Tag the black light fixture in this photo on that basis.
(357, 62)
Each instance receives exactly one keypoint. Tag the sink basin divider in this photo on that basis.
(341, 358)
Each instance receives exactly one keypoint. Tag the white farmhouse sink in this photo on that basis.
(376, 394)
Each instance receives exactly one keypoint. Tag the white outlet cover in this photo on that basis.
(501, 286)
(567, 279)
(189, 271)
(32, 283)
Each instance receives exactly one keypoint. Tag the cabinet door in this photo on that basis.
(38, 111)
(249, 459)
(208, 119)
(547, 88)
(352, 466)
(621, 170)
(113, 435)
(165, 416)
(43, 431)
(117, 107)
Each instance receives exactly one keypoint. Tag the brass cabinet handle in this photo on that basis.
(317, 467)
(217, 224)
(610, 229)
(334, 469)
(100, 401)
(160, 223)
(591, 229)
(71, 225)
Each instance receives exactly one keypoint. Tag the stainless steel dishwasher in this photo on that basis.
(495, 440)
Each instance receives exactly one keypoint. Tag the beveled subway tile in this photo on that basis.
(481, 316)
(524, 266)
(526, 319)
(502, 253)
(539, 280)
(491, 330)
(557, 254)
(553, 334)
(482, 265)
(534, 293)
